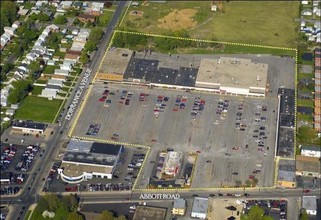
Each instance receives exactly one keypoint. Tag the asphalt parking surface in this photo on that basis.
(212, 135)
(121, 177)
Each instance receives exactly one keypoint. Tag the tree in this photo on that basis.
(8, 11)
(53, 201)
(103, 19)
(74, 216)
(306, 134)
(60, 19)
(16, 50)
(34, 67)
(256, 213)
(304, 215)
(43, 17)
(84, 57)
(90, 46)
(70, 202)
(106, 215)
(21, 89)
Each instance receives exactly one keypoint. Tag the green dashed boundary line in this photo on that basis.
(277, 159)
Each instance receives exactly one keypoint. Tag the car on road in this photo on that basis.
(306, 191)
(195, 195)
(212, 195)
(220, 194)
(235, 173)
(246, 194)
(237, 195)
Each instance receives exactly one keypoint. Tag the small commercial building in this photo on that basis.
(232, 76)
(169, 164)
(199, 209)
(286, 175)
(114, 66)
(179, 207)
(28, 127)
(149, 213)
(310, 151)
(309, 203)
(308, 166)
(86, 159)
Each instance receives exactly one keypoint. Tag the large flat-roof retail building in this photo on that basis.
(86, 159)
(28, 127)
(226, 75)
(232, 76)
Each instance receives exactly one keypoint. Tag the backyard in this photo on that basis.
(237, 22)
(38, 109)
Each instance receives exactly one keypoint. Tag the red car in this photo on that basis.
(251, 177)
(306, 191)
(198, 152)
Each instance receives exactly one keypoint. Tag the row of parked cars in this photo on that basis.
(93, 129)
(9, 190)
(106, 187)
(7, 156)
(134, 166)
(27, 157)
(53, 171)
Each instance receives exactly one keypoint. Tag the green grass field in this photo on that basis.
(50, 69)
(306, 102)
(38, 109)
(260, 22)
(36, 90)
(305, 76)
(302, 117)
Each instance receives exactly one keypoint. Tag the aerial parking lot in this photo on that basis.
(233, 136)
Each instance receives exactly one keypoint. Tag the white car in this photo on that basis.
(237, 195)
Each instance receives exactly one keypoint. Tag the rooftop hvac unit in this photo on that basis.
(99, 158)
(80, 156)
(70, 156)
(258, 78)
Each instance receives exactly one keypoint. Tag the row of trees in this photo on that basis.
(256, 213)
(161, 44)
(91, 45)
(8, 12)
(20, 91)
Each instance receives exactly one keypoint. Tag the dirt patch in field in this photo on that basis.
(136, 13)
(178, 20)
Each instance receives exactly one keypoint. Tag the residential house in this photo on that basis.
(16, 24)
(64, 41)
(61, 72)
(316, 3)
(4, 95)
(35, 11)
(86, 17)
(310, 151)
(10, 30)
(5, 39)
(77, 46)
(51, 62)
(46, 32)
(77, 5)
(80, 39)
(55, 82)
(23, 67)
(66, 66)
(23, 12)
(49, 93)
(52, 88)
(96, 8)
(72, 55)
(49, 14)
(53, 28)
(60, 77)
(64, 31)
(307, 12)
(69, 36)
(42, 37)
(31, 57)
(84, 33)
(75, 32)
(15, 106)
(304, 2)
(10, 112)
(41, 49)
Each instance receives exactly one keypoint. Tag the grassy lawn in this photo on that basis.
(306, 102)
(27, 215)
(259, 22)
(60, 54)
(50, 69)
(303, 117)
(305, 76)
(38, 109)
(41, 81)
(236, 49)
(36, 90)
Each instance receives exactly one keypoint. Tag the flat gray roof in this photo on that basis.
(309, 202)
(116, 61)
(200, 205)
(149, 213)
(232, 72)
(179, 204)
(287, 170)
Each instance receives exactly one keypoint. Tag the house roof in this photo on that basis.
(29, 124)
(179, 203)
(200, 205)
(86, 16)
(309, 203)
(307, 164)
(311, 148)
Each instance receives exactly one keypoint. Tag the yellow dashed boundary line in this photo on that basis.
(148, 147)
